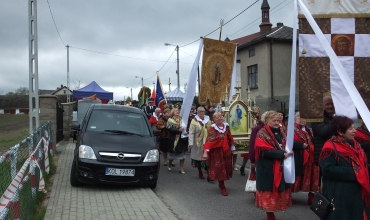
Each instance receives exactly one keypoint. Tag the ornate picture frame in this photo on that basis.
(238, 119)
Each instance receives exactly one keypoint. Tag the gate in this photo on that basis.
(60, 111)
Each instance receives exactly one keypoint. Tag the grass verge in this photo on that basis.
(42, 198)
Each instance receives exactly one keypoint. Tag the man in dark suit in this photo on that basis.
(149, 110)
(322, 130)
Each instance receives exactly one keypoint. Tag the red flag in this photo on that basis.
(153, 95)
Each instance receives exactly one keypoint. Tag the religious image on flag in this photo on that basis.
(345, 25)
(217, 69)
(160, 97)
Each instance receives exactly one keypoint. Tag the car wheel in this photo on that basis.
(73, 179)
(154, 185)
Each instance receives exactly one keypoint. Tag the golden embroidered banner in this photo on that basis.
(347, 30)
(217, 68)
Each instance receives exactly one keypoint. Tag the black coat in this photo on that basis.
(340, 182)
(321, 133)
(149, 112)
(264, 170)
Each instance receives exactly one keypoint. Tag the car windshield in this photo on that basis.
(118, 122)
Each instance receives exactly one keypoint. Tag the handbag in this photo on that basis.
(250, 186)
(322, 206)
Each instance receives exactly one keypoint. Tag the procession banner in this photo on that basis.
(289, 167)
(191, 89)
(344, 26)
(217, 68)
(235, 76)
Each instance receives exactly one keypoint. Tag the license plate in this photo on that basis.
(119, 172)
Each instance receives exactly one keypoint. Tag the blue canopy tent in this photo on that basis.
(92, 89)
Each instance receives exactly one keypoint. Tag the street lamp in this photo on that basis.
(142, 80)
(178, 73)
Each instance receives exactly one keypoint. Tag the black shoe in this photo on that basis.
(242, 171)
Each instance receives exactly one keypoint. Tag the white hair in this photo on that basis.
(263, 117)
(157, 109)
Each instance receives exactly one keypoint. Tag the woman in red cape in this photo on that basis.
(272, 193)
(218, 152)
(306, 172)
(345, 174)
(362, 134)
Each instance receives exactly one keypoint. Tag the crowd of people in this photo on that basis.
(330, 156)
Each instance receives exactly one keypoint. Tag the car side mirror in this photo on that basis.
(75, 127)
(157, 133)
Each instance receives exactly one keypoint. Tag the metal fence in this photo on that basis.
(22, 169)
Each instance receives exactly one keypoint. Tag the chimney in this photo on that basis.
(279, 24)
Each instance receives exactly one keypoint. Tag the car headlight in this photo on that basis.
(86, 152)
(152, 156)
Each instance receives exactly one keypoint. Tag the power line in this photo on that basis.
(167, 60)
(55, 23)
(162, 66)
(187, 54)
(94, 51)
(224, 24)
(261, 16)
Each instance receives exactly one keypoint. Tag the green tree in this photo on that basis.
(19, 91)
(22, 91)
(10, 93)
(128, 99)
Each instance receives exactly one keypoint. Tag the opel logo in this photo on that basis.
(121, 156)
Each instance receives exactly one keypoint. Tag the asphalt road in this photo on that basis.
(191, 198)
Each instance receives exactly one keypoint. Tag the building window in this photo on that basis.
(253, 77)
(252, 52)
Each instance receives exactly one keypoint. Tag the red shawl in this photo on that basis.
(266, 141)
(304, 136)
(355, 156)
(217, 139)
(362, 135)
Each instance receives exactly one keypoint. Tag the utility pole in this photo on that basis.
(178, 71)
(33, 69)
(169, 84)
(68, 96)
(142, 80)
(221, 25)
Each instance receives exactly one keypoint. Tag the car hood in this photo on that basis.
(109, 142)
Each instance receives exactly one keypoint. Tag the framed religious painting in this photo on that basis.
(238, 119)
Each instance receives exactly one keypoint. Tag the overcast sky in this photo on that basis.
(112, 41)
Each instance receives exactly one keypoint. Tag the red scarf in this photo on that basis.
(304, 136)
(362, 135)
(266, 141)
(356, 157)
(217, 139)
